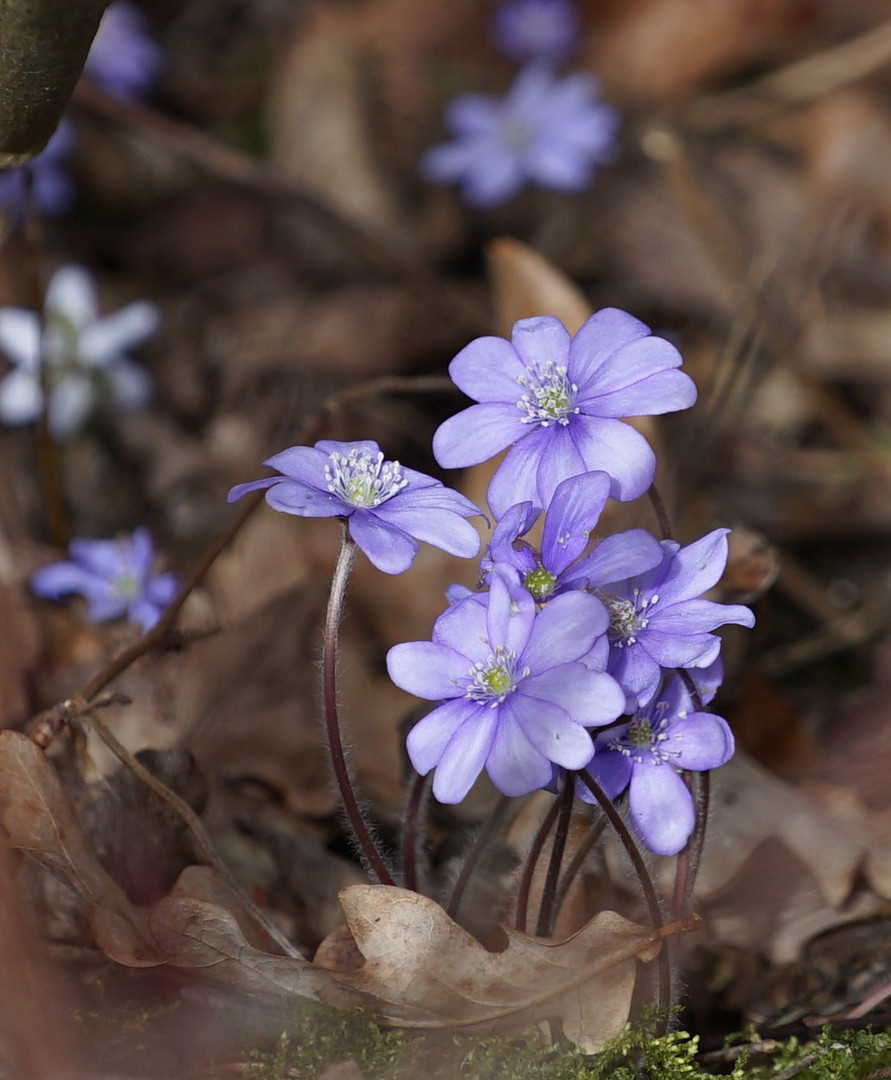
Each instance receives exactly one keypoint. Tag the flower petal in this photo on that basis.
(591, 698)
(552, 731)
(515, 478)
(293, 497)
(487, 370)
(511, 614)
(699, 616)
(387, 547)
(679, 650)
(559, 461)
(427, 740)
(599, 338)
(540, 341)
(444, 529)
(21, 399)
(636, 672)
(108, 338)
(71, 296)
(564, 630)
(71, 401)
(612, 771)
(699, 741)
(463, 759)
(476, 434)
(428, 670)
(131, 385)
(661, 808)
(20, 337)
(615, 448)
(616, 557)
(572, 515)
(59, 579)
(514, 766)
(695, 568)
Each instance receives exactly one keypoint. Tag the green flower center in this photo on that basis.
(492, 681)
(362, 479)
(540, 583)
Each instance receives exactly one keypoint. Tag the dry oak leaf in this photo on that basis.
(37, 818)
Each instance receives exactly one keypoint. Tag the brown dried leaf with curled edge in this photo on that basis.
(37, 817)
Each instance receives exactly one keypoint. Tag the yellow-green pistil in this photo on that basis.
(362, 479)
(549, 396)
(540, 583)
(491, 681)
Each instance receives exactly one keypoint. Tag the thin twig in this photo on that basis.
(661, 513)
(197, 830)
(577, 862)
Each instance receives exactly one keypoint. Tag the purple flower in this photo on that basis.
(515, 698)
(389, 507)
(52, 189)
(647, 755)
(115, 577)
(558, 400)
(123, 59)
(545, 30)
(658, 619)
(546, 131)
(569, 520)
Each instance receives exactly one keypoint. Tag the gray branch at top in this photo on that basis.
(43, 46)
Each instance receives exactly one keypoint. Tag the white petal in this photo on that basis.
(71, 295)
(20, 336)
(108, 338)
(131, 385)
(70, 403)
(20, 398)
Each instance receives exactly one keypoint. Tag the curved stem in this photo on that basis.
(687, 865)
(332, 721)
(660, 512)
(489, 829)
(646, 883)
(531, 861)
(577, 861)
(410, 833)
(544, 926)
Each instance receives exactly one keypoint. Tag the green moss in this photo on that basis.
(324, 1037)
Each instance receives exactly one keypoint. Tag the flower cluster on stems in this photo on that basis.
(576, 653)
(522, 669)
(116, 577)
(74, 354)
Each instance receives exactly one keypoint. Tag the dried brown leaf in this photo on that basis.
(525, 284)
(37, 818)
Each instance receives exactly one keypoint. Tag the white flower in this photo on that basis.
(84, 353)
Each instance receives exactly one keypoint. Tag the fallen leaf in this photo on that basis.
(37, 818)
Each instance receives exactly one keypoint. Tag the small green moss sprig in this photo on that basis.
(324, 1037)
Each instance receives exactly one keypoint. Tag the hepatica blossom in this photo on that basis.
(85, 355)
(515, 698)
(658, 619)
(557, 400)
(646, 756)
(389, 507)
(123, 59)
(569, 521)
(547, 131)
(545, 30)
(116, 577)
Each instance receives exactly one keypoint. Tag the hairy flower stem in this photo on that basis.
(490, 828)
(410, 833)
(687, 865)
(544, 927)
(649, 891)
(661, 513)
(577, 862)
(357, 822)
(535, 850)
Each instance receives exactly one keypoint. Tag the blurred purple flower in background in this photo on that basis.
(389, 507)
(647, 755)
(114, 576)
(559, 400)
(516, 700)
(52, 189)
(659, 620)
(86, 365)
(545, 30)
(547, 131)
(124, 60)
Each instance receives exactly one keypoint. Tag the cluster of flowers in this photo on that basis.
(547, 130)
(125, 62)
(576, 634)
